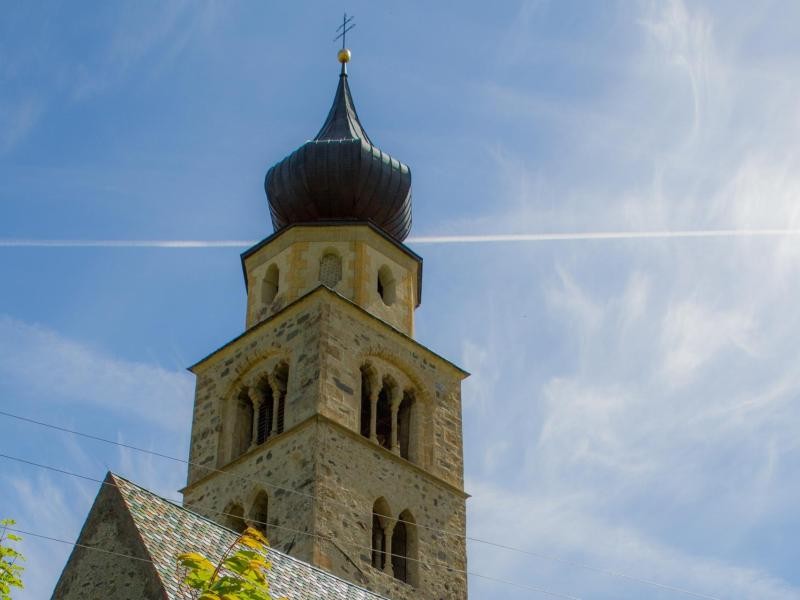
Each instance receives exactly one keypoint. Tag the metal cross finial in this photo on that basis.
(344, 28)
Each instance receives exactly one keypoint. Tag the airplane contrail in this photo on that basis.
(35, 243)
(430, 239)
(601, 235)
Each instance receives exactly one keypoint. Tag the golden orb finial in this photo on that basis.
(344, 55)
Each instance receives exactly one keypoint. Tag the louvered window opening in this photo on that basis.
(281, 413)
(265, 417)
(366, 405)
(383, 421)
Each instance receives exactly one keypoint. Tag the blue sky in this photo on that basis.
(633, 404)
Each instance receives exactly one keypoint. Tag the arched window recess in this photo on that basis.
(384, 414)
(234, 518)
(395, 546)
(367, 386)
(404, 545)
(405, 425)
(279, 381)
(260, 512)
(386, 285)
(388, 415)
(381, 522)
(255, 413)
(242, 420)
(270, 286)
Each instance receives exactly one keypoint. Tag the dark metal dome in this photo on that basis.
(341, 175)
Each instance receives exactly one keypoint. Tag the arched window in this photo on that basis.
(265, 410)
(269, 287)
(243, 424)
(404, 416)
(330, 269)
(260, 512)
(383, 416)
(399, 551)
(380, 512)
(234, 518)
(386, 285)
(378, 543)
(404, 549)
(366, 403)
(281, 380)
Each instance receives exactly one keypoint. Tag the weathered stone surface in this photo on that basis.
(321, 475)
(155, 528)
(94, 575)
(297, 253)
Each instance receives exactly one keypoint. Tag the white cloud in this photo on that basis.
(43, 508)
(43, 365)
(154, 473)
(694, 333)
(662, 443)
(558, 532)
(55, 505)
(17, 119)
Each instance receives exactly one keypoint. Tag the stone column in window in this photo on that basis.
(374, 392)
(277, 390)
(256, 397)
(387, 544)
(397, 397)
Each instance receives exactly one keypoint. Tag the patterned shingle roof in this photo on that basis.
(167, 530)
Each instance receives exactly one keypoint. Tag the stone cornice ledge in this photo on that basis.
(321, 419)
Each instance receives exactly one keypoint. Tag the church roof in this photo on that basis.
(341, 175)
(165, 530)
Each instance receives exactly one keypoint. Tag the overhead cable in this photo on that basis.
(499, 545)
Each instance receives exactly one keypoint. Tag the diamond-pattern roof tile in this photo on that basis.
(168, 529)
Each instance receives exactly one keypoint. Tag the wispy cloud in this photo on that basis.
(50, 367)
(155, 38)
(17, 118)
(661, 441)
(557, 529)
(38, 74)
(51, 370)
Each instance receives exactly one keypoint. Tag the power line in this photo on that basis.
(330, 539)
(499, 545)
(95, 548)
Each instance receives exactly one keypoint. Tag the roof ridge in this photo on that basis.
(213, 523)
(140, 538)
(170, 502)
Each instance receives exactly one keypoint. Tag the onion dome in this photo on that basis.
(341, 175)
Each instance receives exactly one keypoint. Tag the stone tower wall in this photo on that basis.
(293, 337)
(354, 473)
(297, 254)
(111, 573)
(286, 462)
(332, 340)
(350, 339)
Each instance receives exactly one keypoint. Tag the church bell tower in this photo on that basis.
(325, 423)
